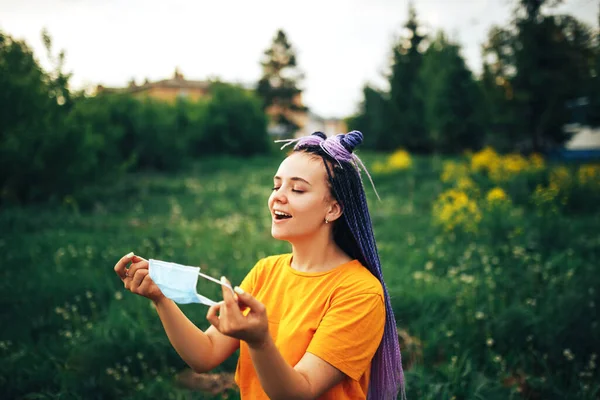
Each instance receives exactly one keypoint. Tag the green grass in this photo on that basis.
(71, 331)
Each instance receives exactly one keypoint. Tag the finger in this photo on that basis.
(127, 282)
(137, 258)
(239, 302)
(122, 263)
(135, 266)
(137, 279)
(227, 294)
(248, 300)
(212, 315)
(146, 283)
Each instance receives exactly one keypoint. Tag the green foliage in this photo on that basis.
(374, 119)
(234, 123)
(150, 134)
(395, 119)
(451, 99)
(593, 114)
(533, 68)
(278, 86)
(507, 312)
(54, 143)
(41, 156)
(406, 106)
(434, 103)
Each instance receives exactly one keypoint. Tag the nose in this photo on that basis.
(279, 196)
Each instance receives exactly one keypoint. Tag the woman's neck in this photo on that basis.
(317, 255)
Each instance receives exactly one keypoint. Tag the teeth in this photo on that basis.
(282, 214)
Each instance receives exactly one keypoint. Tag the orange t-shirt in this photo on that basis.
(337, 315)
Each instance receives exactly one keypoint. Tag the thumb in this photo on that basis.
(249, 300)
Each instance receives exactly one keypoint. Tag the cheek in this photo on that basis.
(310, 207)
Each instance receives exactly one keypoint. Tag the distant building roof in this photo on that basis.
(178, 81)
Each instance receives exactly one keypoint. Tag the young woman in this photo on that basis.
(316, 323)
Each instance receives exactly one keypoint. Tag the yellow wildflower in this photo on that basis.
(454, 210)
(465, 183)
(497, 195)
(453, 171)
(514, 164)
(561, 178)
(486, 159)
(545, 197)
(589, 175)
(400, 159)
(536, 161)
(502, 168)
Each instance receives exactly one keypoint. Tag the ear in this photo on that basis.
(334, 211)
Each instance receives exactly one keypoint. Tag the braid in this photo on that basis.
(354, 234)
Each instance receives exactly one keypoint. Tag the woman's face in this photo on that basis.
(301, 193)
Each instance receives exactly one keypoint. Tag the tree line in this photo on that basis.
(54, 140)
(538, 74)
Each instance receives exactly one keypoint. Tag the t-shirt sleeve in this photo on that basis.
(350, 332)
(249, 282)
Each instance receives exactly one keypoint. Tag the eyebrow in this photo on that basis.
(294, 178)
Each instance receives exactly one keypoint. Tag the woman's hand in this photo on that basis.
(136, 278)
(252, 328)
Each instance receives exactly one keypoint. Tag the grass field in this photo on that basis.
(497, 300)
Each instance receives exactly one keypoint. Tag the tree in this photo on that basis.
(373, 118)
(451, 99)
(501, 122)
(33, 137)
(278, 86)
(407, 113)
(234, 122)
(540, 63)
(593, 109)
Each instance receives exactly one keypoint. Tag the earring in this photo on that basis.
(326, 221)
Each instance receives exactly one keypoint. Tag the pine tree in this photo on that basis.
(278, 86)
(593, 109)
(407, 112)
(373, 118)
(541, 62)
(451, 99)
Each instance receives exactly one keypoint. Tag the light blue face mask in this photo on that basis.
(178, 282)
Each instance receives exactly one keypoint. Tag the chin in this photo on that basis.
(278, 235)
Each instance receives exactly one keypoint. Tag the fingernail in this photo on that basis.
(129, 255)
(238, 290)
(223, 279)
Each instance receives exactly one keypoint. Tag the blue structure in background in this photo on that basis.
(585, 142)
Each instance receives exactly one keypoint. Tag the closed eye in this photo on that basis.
(293, 190)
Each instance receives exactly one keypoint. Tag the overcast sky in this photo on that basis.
(341, 45)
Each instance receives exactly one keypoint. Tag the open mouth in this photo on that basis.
(280, 215)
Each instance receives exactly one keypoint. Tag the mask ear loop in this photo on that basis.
(210, 278)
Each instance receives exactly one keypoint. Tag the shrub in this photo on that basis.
(235, 123)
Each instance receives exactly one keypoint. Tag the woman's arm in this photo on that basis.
(309, 379)
(202, 351)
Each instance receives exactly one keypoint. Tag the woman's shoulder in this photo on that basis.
(358, 279)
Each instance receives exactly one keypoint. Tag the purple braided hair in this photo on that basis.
(354, 235)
